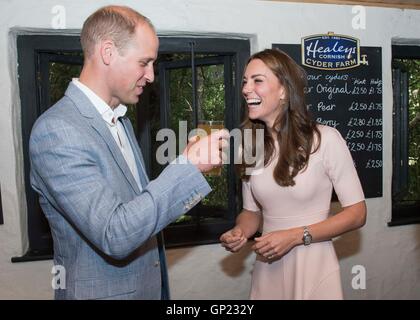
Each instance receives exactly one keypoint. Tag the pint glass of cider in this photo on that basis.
(208, 126)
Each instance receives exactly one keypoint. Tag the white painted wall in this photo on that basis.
(391, 256)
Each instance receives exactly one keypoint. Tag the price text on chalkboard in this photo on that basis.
(351, 101)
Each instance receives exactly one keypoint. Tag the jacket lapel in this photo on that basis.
(94, 118)
(100, 126)
(136, 150)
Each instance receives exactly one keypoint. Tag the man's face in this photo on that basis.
(132, 68)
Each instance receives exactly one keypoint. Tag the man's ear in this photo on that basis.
(107, 50)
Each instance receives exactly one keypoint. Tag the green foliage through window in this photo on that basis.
(413, 68)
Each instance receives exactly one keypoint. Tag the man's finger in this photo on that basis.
(193, 139)
(223, 144)
(220, 134)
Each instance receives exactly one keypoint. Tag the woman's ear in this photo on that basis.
(282, 93)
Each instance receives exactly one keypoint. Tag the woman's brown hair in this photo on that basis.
(294, 126)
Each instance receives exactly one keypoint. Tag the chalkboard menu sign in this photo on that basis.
(350, 100)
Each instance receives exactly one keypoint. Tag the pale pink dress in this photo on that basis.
(306, 272)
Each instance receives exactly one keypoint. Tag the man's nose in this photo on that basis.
(150, 74)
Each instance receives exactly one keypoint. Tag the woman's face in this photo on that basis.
(263, 92)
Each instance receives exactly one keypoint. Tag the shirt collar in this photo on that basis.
(101, 106)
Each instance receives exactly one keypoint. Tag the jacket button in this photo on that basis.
(157, 263)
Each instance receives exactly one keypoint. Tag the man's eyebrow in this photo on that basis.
(148, 59)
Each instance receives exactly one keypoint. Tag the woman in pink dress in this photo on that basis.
(289, 200)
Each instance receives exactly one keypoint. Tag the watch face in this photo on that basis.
(307, 239)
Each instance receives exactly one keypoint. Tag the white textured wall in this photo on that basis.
(391, 256)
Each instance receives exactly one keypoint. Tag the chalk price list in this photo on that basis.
(359, 119)
(365, 134)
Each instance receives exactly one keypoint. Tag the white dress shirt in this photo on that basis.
(117, 129)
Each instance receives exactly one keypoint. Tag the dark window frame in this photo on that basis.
(29, 48)
(401, 214)
(36, 51)
(237, 52)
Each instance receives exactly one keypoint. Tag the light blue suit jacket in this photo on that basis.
(104, 229)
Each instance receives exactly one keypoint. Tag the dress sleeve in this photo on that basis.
(249, 202)
(340, 168)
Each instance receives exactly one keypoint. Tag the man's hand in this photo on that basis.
(207, 152)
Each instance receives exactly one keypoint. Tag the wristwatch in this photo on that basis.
(307, 237)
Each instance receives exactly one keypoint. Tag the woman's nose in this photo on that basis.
(246, 89)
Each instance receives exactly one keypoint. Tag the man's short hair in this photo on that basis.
(116, 23)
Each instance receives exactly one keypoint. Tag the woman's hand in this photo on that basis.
(233, 240)
(276, 244)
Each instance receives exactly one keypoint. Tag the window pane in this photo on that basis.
(60, 74)
(211, 107)
(132, 115)
(150, 118)
(180, 98)
(413, 193)
(181, 109)
(210, 94)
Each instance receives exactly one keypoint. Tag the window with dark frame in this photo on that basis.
(195, 79)
(406, 135)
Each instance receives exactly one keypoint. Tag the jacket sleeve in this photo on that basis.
(69, 177)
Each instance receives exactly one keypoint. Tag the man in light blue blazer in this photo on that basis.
(104, 213)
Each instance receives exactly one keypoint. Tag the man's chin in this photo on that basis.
(132, 100)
